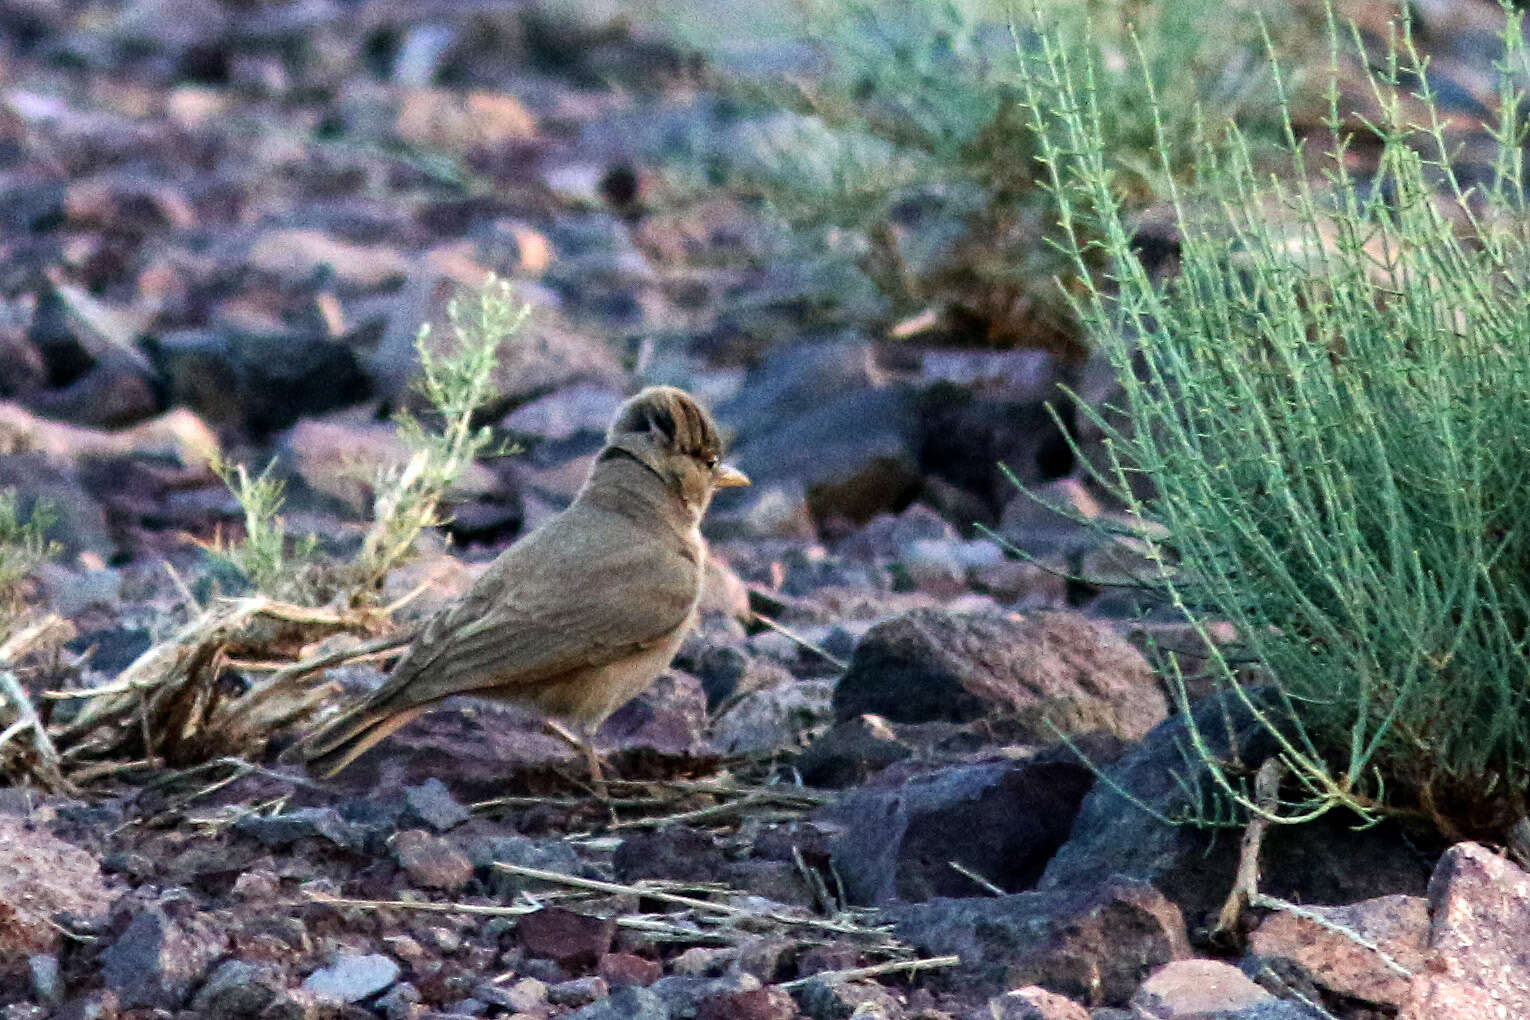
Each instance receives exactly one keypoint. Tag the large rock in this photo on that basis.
(1001, 822)
(1479, 934)
(821, 416)
(975, 442)
(43, 880)
(1095, 947)
(1057, 668)
(1328, 861)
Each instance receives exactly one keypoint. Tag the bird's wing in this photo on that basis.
(568, 596)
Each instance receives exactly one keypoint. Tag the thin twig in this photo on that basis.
(910, 967)
(50, 629)
(812, 646)
(968, 873)
(1246, 885)
(707, 906)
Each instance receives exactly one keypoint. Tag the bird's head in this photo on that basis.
(667, 431)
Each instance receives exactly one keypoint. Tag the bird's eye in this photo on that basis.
(711, 463)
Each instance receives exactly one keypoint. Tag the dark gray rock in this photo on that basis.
(683, 994)
(821, 416)
(432, 804)
(237, 989)
(625, 1004)
(969, 442)
(156, 961)
(1002, 822)
(886, 537)
(46, 986)
(675, 852)
(851, 752)
(280, 831)
(821, 999)
(483, 849)
(1095, 946)
(1329, 861)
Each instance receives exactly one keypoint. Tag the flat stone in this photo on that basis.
(432, 803)
(1196, 990)
(352, 977)
(1035, 1003)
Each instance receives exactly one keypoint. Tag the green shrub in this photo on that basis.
(456, 381)
(1331, 401)
(904, 149)
(24, 546)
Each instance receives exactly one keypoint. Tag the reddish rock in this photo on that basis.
(1479, 907)
(760, 1004)
(1033, 1003)
(1196, 990)
(1398, 925)
(432, 862)
(575, 941)
(41, 879)
(462, 121)
(623, 969)
(932, 665)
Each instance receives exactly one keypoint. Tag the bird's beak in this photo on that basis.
(726, 476)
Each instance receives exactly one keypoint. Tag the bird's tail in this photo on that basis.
(351, 735)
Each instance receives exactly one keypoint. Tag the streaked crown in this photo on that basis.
(672, 415)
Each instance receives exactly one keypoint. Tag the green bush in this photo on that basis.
(24, 546)
(903, 150)
(1331, 403)
(456, 381)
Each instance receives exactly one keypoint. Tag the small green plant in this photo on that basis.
(24, 544)
(455, 384)
(1331, 401)
(264, 556)
(456, 380)
(905, 149)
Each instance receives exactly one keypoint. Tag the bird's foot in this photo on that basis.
(586, 747)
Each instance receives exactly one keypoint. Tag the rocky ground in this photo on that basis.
(224, 223)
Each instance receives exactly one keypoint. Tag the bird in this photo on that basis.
(583, 613)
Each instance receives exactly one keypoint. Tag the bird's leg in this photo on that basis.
(585, 745)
